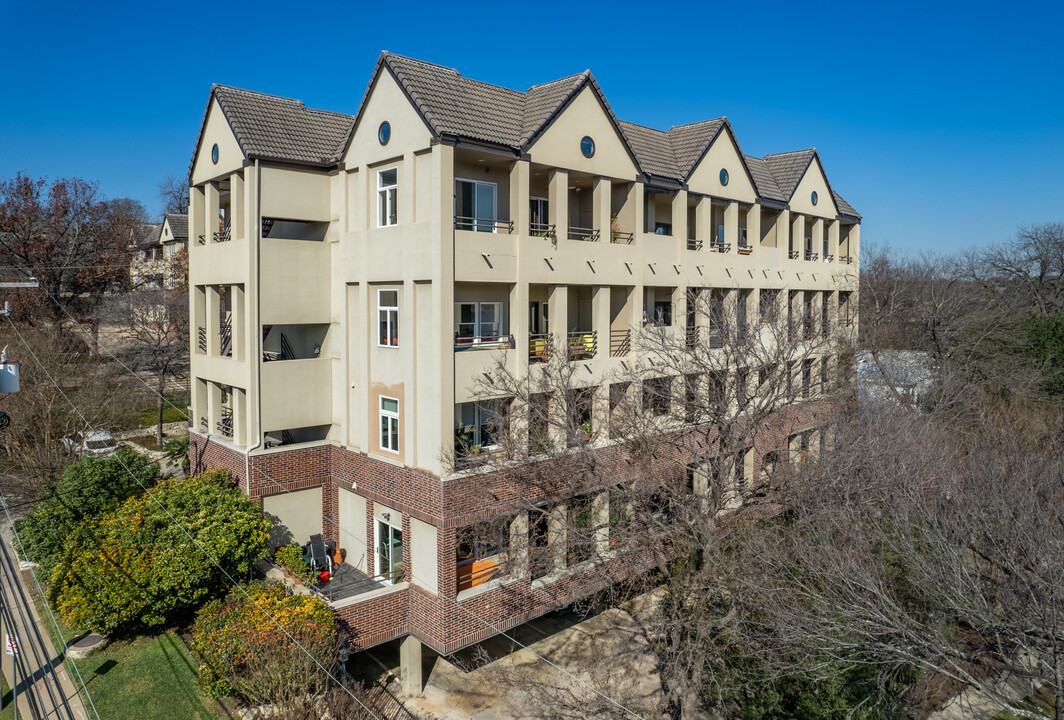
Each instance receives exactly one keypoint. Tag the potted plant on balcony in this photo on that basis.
(585, 428)
(290, 559)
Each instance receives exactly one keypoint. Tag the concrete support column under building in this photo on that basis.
(410, 678)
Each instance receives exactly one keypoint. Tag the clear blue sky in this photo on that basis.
(942, 123)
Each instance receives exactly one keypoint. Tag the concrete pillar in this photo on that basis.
(818, 237)
(519, 197)
(731, 224)
(240, 416)
(407, 183)
(210, 218)
(600, 512)
(601, 201)
(518, 551)
(214, 309)
(557, 537)
(638, 199)
(855, 253)
(410, 679)
(240, 330)
(798, 235)
(214, 407)
(704, 222)
(783, 234)
(519, 323)
(558, 317)
(679, 219)
(196, 211)
(753, 227)
(600, 319)
(237, 205)
(558, 203)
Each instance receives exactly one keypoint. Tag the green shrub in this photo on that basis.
(86, 488)
(136, 565)
(247, 646)
(291, 557)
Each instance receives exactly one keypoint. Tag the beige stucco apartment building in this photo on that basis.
(354, 278)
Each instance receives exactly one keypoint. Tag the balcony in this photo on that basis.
(540, 346)
(846, 259)
(620, 343)
(718, 246)
(744, 247)
(811, 256)
(543, 230)
(484, 342)
(582, 345)
(619, 237)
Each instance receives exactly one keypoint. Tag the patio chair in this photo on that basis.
(319, 556)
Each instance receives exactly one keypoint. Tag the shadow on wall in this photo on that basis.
(279, 532)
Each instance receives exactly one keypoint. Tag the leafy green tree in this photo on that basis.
(242, 651)
(85, 488)
(136, 564)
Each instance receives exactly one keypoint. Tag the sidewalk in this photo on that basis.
(44, 689)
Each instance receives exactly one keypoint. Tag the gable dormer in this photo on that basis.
(218, 152)
(812, 195)
(721, 170)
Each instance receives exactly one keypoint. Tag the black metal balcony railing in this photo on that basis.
(203, 424)
(845, 259)
(621, 238)
(201, 338)
(465, 222)
(225, 424)
(828, 257)
(794, 255)
(582, 345)
(620, 342)
(225, 234)
(745, 249)
(225, 337)
(484, 341)
(202, 239)
(545, 230)
(716, 339)
(691, 337)
(810, 255)
(540, 346)
(583, 233)
(267, 226)
(694, 244)
(719, 247)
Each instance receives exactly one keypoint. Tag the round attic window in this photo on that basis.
(587, 146)
(723, 176)
(214, 154)
(813, 197)
(384, 133)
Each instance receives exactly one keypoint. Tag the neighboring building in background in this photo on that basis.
(352, 277)
(158, 261)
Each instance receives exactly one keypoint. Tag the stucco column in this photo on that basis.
(855, 250)
(783, 235)
(600, 511)
(679, 219)
(240, 323)
(600, 319)
(214, 407)
(753, 227)
(600, 207)
(731, 224)
(407, 183)
(238, 205)
(558, 203)
(520, 212)
(518, 551)
(818, 237)
(240, 417)
(638, 199)
(558, 317)
(210, 218)
(518, 321)
(214, 311)
(798, 235)
(410, 678)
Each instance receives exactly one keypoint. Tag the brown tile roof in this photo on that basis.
(146, 235)
(276, 128)
(690, 141)
(788, 169)
(178, 225)
(765, 182)
(844, 207)
(652, 149)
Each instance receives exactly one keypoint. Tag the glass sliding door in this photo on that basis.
(389, 552)
(474, 205)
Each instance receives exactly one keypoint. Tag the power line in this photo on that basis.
(188, 534)
(47, 606)
(486, 623)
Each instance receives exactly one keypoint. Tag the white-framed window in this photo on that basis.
(388, 318)
(387, 197)
(477, 323)
(479, 424)
(389, 541)
(389, 415)
(474, 205)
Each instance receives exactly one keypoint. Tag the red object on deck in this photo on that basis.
(323, 576)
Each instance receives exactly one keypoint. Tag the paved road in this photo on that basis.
(43, 687)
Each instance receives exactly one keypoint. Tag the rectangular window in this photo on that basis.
(480, 552)
(388, 318)
(538, 216)
(478, 322)
(389, 415)
(474, 206)
(657, 396)
(769, 305)
(387, 197)
(389, 553)
(479, 425)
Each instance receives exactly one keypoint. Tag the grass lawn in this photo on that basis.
(148, 416)
(146, 678)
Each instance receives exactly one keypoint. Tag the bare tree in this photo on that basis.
(155, 325)
(697, 424)
(1028, 269)
(173, 193)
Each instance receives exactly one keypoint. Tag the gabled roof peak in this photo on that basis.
(692, 125)
(791, 152)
